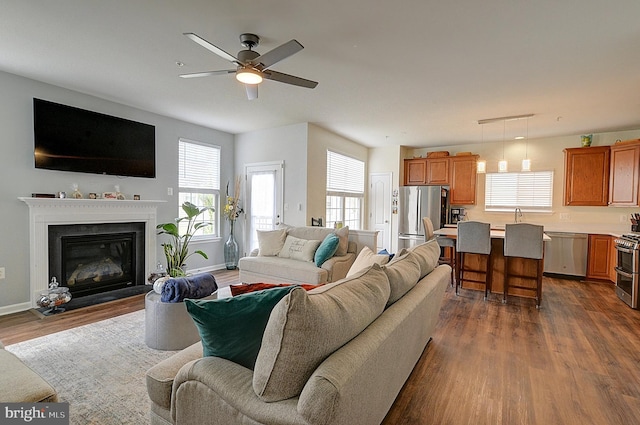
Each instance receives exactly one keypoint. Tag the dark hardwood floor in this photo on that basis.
(574, 361)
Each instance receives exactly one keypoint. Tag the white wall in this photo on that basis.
(20, 178)
(545, 154)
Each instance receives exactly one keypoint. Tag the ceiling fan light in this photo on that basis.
(248, 76)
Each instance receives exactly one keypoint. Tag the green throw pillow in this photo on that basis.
(327, 248)
(232, 328)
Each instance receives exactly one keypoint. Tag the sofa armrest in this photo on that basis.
(338, 267)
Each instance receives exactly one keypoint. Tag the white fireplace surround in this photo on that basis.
(44, 212)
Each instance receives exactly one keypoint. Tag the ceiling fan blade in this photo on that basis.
(279, 53)
(252, 91)
(289, 79)
(215, 49)
(208, 73)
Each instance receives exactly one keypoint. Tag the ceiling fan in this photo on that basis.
(252, 67)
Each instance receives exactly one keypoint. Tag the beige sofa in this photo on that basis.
(20, 384)
(361, 339)
(276, 269)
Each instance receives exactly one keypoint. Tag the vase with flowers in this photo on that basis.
(232, 211)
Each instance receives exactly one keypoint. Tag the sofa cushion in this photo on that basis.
(343, 234)
(295, 271)
(305, 328)
(427, 254)
(327, 248)
(299, 249)
(319, 233)
(232, 328)
(270, 242)
(253, 287)
(365, 259)
(403, 273)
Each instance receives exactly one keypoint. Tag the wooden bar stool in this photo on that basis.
(523, 240)
(474, 238)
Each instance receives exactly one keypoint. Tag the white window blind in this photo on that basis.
(199, 166)
(344, 174)
(532, 191)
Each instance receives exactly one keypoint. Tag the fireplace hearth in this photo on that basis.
(95, 258)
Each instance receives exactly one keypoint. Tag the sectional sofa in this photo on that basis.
(338, 354)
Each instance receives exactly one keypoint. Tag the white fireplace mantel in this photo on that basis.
(44, 212)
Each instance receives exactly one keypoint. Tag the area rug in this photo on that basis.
(98, 368)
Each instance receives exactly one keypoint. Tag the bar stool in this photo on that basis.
(474, 238)
(442, 242)
(523, 240)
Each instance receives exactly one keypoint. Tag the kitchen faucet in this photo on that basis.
(517, 214)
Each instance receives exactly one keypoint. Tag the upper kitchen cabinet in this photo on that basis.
(624, 174)
(586, 180)
(415, 171)
(438, 171)
(462, 179)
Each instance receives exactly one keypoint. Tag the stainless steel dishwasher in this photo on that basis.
(566, 254)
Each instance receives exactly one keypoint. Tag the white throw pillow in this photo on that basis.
(299, 249)
(270, 242)
(365, 259)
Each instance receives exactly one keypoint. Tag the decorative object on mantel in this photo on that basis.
(119, 195)
(109, 195)
(93, 195)
(76, 194)
(438, 154)
(232, 211)
(177, 251)
(586, 140)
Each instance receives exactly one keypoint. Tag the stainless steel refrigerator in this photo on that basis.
(417, 202)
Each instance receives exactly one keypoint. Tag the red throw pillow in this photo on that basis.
(251, 287)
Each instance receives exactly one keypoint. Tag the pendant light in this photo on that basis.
(482, 164)
(502, 164)
(526, 162)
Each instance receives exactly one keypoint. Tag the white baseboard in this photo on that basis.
(14, 308)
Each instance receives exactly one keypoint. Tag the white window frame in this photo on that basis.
(531, 191)
(345, 185)
(199, 181)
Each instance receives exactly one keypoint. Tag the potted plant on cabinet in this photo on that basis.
(177, 251)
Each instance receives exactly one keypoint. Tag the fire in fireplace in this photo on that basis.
(94, 258)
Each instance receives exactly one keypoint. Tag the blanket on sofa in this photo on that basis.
(176, 289)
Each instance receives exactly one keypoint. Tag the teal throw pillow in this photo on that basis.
(327, 248)
(232, 328)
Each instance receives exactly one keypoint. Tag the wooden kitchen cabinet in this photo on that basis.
(599, 257)
(624, 174)
(438, 171)
(586, 181)
(462, 179)
(415, 171)
(613, 259)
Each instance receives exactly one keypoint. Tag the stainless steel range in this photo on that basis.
(628, 268)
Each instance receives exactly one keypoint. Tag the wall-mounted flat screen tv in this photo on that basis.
(73, 139)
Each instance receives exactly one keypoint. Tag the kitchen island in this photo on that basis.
(521, 266)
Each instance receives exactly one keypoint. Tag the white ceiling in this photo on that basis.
(411, 72)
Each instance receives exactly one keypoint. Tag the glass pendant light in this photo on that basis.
(526, 162)
(502, 164)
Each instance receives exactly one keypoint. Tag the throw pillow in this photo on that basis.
(343, 234)
(305, 328)
(327, 248)
(253, 287)
(427, 254)
(232, 328)
(365, 259)
(299, 249)
(270, 242)
(403, 273)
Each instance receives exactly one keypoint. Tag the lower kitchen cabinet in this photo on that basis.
(599, 257)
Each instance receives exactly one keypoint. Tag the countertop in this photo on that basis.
(495, 233)
(567, 227)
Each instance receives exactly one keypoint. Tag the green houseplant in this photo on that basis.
(177, 250)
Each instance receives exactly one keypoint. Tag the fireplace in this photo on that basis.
(94, 258)
(48, 212)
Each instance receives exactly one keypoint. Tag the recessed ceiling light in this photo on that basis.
(519, 137)
(178, 63)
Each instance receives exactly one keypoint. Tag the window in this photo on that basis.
(345, 190)
(199, 182)
(531, 191)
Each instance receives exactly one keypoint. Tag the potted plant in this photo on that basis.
(177, 251)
